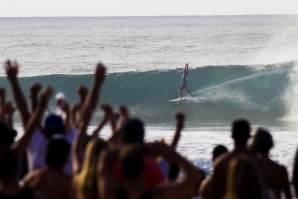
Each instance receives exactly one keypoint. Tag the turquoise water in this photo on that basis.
(225, 93)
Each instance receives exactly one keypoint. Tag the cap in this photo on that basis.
(53, 124)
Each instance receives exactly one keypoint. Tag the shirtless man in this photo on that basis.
(184, 81)
(240, 135)
(50, 181)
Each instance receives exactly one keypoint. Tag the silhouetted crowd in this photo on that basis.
(56, 158)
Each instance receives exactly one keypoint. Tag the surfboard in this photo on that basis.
(184, 98)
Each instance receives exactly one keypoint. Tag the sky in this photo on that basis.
(45, 8)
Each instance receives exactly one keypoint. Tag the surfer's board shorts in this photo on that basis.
(183, 86)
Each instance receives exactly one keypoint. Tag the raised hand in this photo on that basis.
(180, 118)
(35, 88)
(124, 112)
(83, 92)
(107, 108)
(11, 68)
(100, 72)
(46, 95)
(8, 108)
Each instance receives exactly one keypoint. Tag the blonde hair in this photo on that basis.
(86, 181)
(243, 181)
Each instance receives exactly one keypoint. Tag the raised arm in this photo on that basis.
(116, 136)
(93, 95)
(12, 69)
(76, 107)
(20, 146)
(65, 109)
(103, 121)
(179, 188)
(34, 90)
(87, 112)
(180, 118)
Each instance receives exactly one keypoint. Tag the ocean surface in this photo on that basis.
(241, 67)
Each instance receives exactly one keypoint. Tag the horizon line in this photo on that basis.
(83, 16)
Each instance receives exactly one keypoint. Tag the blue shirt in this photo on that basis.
(184, 77)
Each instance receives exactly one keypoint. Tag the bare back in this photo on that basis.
(219, 181)
(277, 177)
(51, 183)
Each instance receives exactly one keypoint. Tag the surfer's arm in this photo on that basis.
(12, 69)
(180, 118)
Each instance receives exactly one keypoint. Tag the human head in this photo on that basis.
(7, 135)
(131, 161)
(87, 179)
(133, 131)
(218, 150)
(8, 163)
(57, 153)
(243, 180)
(53, 124)
(262, 141)
(241, 131)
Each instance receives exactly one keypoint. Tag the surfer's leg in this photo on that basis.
(188, 91)
(180, 93)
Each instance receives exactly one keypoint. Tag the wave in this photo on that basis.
(225, 93)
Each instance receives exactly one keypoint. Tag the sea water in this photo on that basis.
(241, 67)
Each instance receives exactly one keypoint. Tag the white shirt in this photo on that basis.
(37, 149)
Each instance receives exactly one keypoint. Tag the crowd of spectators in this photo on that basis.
(56, 157)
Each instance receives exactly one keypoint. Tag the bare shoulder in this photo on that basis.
(205, 187)
(223, 159)
(33, 178)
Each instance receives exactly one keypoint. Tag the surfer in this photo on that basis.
(184, 82)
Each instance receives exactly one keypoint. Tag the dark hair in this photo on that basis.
(57, 153)
(262, 141)
(218, 150)
(173, 172)
(132, 162)
(8, 163)
(7, 135)
(241, 131)
(133, 131)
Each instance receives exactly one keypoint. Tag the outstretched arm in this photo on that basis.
(180, 118)
(12, 69)
(179, 188)
(108, 113)
(116, 136)
(34, 89)
(186, 67)
(87, 112)
(20, 146)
